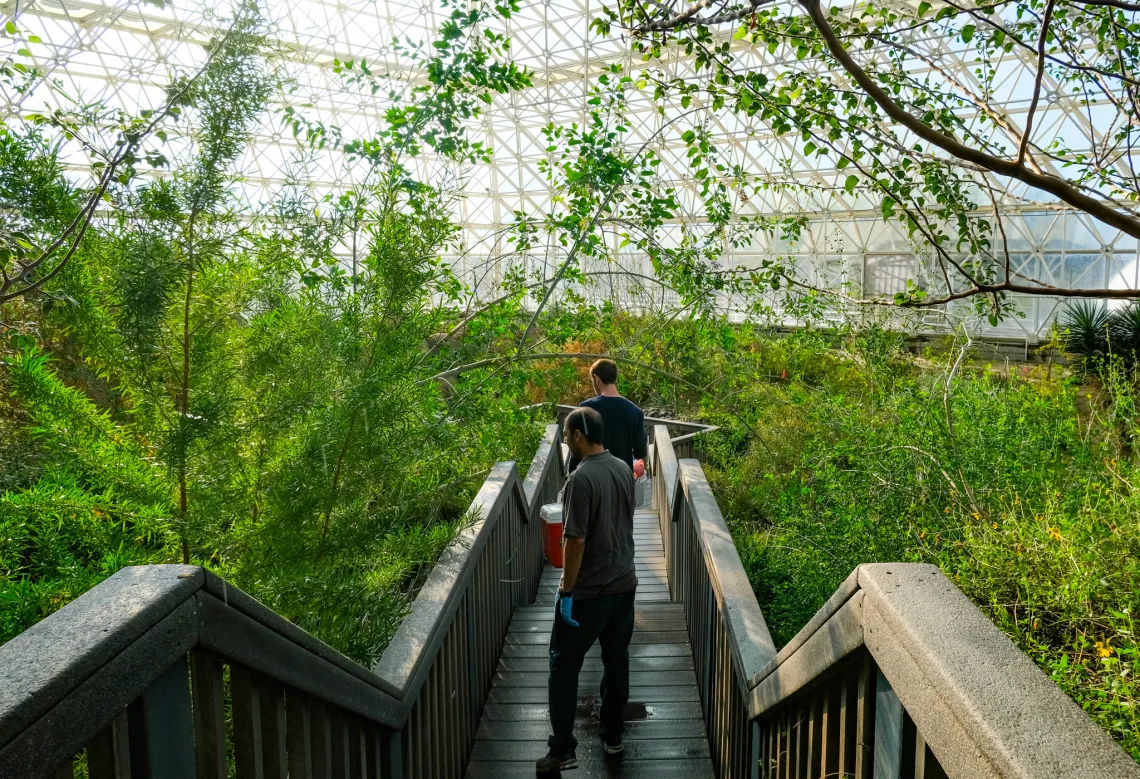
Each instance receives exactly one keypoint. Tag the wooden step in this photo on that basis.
(635, 749)
(646, 695)
(594, 664)
(530, 712)
(542, 650)
(655, 637)
(636, 729)
(664, 730)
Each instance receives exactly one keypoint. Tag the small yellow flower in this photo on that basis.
(1055, 534)
(977, 515)
(995, 526)
(1035, 623)
(1103, 649)
(1017, 501)
(946, 510)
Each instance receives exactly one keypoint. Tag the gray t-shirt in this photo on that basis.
(597, 505)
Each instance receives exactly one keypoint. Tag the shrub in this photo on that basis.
(1019, 487)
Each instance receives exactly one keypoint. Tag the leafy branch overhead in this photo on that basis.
(115, 140)
(862, 91)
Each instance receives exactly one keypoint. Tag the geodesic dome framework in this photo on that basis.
(123, 54)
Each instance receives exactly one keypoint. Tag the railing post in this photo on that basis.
(391, 753)
(472, 636)
(209, 716)
(109, 753)
(754, 766)
(710, 647)
(161, 726)
(888, 730)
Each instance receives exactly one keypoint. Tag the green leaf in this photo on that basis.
(688, 136)
(968, 33)
(850, 184)
(740, 33)
(888, 207)
(10, 28)
(686, 100)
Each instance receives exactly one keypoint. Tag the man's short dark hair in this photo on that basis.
(588, 422)
(605, 370)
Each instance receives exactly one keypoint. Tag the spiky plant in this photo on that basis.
(1124, 332)
(1086, 325)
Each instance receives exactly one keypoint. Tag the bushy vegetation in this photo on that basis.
(180, 383)
(188, 387)
(837, 449)
(1017, 481)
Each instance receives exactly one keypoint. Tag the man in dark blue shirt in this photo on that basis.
(624, 421)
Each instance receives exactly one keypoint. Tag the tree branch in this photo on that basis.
(1052, 184)
(1048, 17)
(83, 219)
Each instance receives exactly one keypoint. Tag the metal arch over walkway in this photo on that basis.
(170, 672)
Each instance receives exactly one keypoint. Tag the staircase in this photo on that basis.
(665, 732)
(169, 672)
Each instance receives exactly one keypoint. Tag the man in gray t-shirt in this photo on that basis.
(595, 598)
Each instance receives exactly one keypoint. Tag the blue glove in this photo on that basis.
(566, 608)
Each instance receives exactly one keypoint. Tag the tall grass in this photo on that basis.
(1019, 484)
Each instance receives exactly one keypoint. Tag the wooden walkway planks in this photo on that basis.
(665, 732)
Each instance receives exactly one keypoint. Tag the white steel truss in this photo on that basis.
(123, 53)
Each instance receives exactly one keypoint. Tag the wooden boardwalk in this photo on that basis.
(665, 732)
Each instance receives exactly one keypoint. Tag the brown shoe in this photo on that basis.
(554, 763)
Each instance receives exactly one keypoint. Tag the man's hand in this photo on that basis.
(566, 608)
(638, 468)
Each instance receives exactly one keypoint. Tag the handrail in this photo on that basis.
(981, 706)
(676, 427)
(750, 641)
(108, 672)
(899, 674)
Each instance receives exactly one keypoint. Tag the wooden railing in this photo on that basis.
(898, 676)
(681, 431)
(169, 671)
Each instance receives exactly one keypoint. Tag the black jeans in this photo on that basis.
(607, 619)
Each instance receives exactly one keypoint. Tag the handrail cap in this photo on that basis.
(54, 656)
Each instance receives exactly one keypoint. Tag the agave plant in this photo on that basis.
(1086, 324)
(1124, 332)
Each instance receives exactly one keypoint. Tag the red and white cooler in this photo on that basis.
(551, 515)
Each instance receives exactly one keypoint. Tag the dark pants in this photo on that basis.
(607, 619)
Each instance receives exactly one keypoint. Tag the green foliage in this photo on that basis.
(905, 136)
(1092, 332)
(1087, 323)
(1124, 329)
(1019, 487)
(225, 393)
